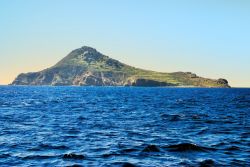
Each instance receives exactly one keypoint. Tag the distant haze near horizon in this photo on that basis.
(209, 38)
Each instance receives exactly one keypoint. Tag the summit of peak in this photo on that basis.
(87, 48)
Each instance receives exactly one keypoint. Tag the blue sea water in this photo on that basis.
(124, 126)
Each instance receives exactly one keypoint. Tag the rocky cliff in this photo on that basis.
(87, 66)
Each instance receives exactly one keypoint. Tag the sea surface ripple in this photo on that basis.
(124, 126)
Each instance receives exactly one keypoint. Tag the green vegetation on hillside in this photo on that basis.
(86, 66)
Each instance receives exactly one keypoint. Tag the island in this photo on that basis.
(86, 66)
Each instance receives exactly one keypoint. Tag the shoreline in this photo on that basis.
(9, 85)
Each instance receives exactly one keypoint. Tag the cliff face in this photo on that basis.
(87, 66)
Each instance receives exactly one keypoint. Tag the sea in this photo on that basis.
(124, 126)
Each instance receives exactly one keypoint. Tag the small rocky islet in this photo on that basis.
(86, 66)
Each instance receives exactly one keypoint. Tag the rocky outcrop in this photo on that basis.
(222, 81)
(150, 83)
(86, 66)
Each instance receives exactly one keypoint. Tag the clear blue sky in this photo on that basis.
(210, 38)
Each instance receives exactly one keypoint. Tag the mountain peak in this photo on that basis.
(87, 66)
(84, 50)
(82, 55)
(88, 48)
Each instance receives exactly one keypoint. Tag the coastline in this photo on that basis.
(184, 86)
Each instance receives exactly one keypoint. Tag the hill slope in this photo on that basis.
(87, 66)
